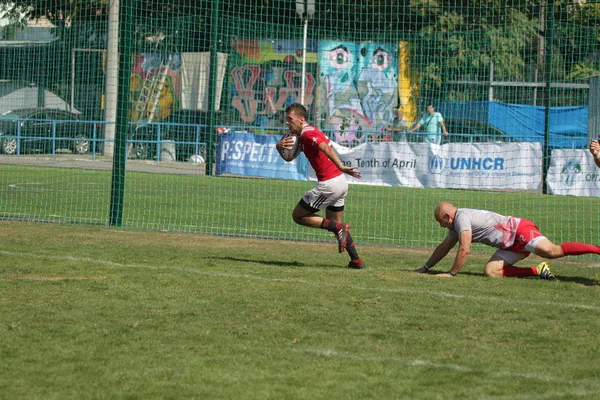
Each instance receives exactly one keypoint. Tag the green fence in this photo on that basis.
(155, 87)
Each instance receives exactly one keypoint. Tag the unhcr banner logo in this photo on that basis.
(503, 166)
(436, 164)
(573, 173)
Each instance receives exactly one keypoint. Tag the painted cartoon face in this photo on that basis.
(339, 58)
(359, 79)
(380, 60)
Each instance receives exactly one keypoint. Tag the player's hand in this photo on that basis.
(286, 143)
(352, 171)
(446, 275)
(594, 147)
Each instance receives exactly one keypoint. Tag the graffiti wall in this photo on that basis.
(164, 96)
(266, 77)
(359, 84)
(408, 88)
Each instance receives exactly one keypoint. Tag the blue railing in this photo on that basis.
(157, 138)
(95, 137)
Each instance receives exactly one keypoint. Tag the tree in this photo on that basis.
(84, 23)
(452, 39)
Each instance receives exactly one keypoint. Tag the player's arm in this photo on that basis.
(595, 150)
(464, 248)
(332, 155)
(439, 253)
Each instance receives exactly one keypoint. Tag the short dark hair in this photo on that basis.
(297, 109)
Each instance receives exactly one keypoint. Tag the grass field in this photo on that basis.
(232, 206)
(113, 313)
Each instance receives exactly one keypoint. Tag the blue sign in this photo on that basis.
(244, 153)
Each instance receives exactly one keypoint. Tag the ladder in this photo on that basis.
(149, 97)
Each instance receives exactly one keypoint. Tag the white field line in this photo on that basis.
(305, 282)
(447, 366)
(14, 185)
(593, 386)
(408, 362)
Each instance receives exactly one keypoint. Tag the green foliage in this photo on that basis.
(15, 15)
(451, 40)
(583, 71)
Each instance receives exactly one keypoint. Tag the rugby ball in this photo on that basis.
(290, 154)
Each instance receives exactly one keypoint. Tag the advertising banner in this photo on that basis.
(244, 153)
(573, 173)
(503, 166)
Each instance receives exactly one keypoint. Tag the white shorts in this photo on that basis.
(511, 257)
(330, 193)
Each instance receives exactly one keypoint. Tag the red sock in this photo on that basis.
(512, 271)
(576, 248)
(330, 225)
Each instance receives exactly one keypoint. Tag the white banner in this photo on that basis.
(573, 173)
(195, 72)
(504, 166)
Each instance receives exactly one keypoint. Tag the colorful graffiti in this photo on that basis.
(350, 88)
(407, 83)
(359, 84)
(148, 66)
(268, 77)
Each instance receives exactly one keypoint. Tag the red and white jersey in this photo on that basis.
(310, 138)
(486, 226)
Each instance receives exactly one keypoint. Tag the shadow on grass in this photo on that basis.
(435, 272)
(577, 279)
(277, 263)
(571, 279)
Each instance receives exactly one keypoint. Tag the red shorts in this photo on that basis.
(526, 232)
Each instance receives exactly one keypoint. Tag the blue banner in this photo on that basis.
(244, 153)
(568, 125)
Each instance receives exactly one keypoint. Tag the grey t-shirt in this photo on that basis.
(487, 227)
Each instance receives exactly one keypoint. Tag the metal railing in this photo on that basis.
(155, 135)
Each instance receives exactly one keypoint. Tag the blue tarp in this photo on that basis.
(568, 125)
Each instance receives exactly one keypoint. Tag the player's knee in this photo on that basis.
(297, 218)
(492, 274)
(556, 253)
(492, 271)
(550, 252)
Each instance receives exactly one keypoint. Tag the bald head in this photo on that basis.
(445, 213)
